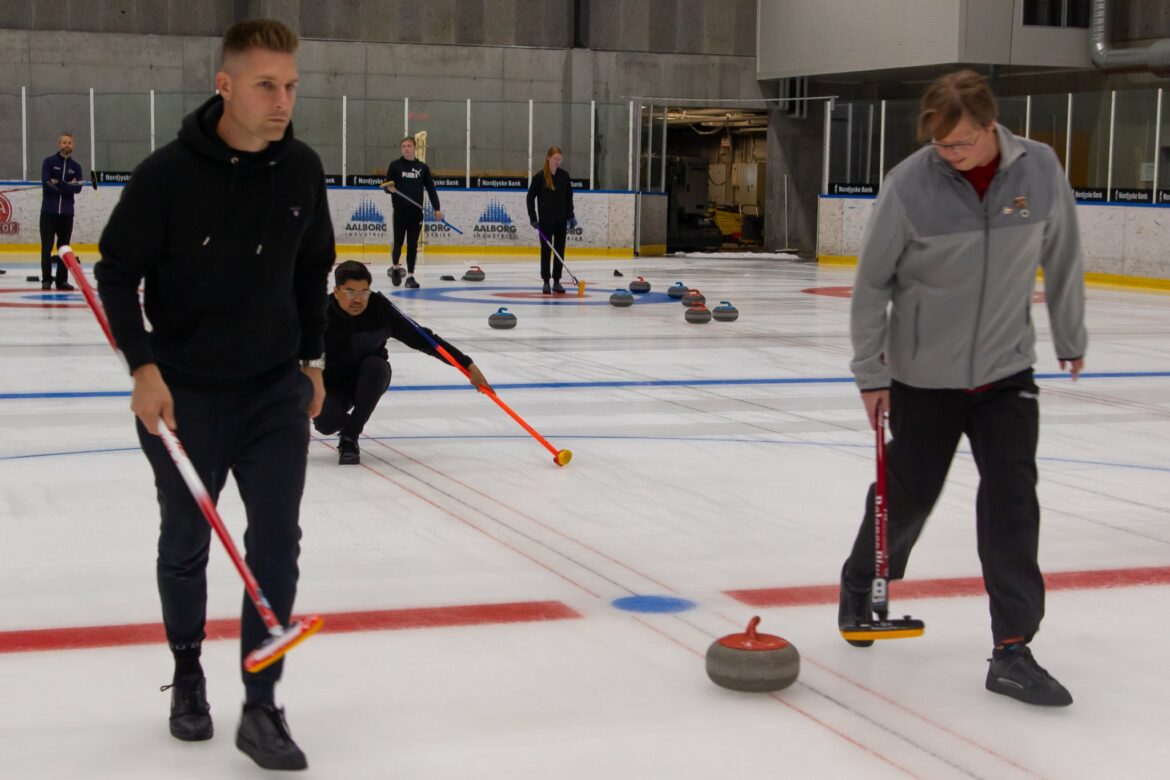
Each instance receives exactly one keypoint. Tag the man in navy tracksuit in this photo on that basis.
(61, 178)
(410, 177)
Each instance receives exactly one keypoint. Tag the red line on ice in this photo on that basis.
(79, 637)
(957, 586)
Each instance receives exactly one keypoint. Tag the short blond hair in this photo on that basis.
(248, 34)
(948, 98)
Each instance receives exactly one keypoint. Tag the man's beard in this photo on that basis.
(66, 152)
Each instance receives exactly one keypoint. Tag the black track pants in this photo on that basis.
(1002, 424)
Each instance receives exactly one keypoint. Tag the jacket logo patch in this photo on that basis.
(296, 211)
(1021, 204)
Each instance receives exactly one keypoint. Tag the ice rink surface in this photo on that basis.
(468, 582)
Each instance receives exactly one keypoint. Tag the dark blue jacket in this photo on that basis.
(58, 198)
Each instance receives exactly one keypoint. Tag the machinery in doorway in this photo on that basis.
(689, 223)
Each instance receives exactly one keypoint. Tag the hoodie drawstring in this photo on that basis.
(226, 203)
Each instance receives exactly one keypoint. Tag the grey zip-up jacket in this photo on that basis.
(943, 292)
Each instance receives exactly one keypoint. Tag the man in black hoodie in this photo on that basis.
(357, 368)
(228, 228)
(410, 177)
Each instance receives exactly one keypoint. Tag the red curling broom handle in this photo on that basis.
(182, 462)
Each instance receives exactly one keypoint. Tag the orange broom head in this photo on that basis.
(275, 648)
(580, 289)
(906, 628)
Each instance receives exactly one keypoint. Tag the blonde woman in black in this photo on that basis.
(551, 196)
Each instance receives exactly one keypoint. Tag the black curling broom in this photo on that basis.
(883, 627)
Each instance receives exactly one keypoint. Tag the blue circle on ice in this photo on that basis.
(658, 604)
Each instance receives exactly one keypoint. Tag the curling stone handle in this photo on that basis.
(751, 628)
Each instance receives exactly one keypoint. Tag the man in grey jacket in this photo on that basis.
(943, 340)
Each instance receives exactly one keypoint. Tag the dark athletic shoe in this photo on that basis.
(547, 290)
(557, 286)
(190, 712)
(1014, 672)
(348, 452)
(853, 610)
(396, 275)
(411, 283)
(65, 286)
(264, 737)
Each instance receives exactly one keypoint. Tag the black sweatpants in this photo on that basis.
(373, 377)
(408, 222)
(56, 228)
(260, 435)
(556, 233)
(1002, 424)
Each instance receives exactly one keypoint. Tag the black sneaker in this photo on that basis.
(411, 283)
(348, 452)
(49, 286)
(853, 610)
(263, 736)
(190, 712)
(547, 290)
(557, 286)
(396, 275)
(65, 286)
(1014, 672)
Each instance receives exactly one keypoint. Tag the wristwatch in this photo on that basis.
(318, 363)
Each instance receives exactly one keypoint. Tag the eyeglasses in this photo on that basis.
(351, 294)
(958, 146)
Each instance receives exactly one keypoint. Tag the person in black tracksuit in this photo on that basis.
(61, 179)
(552, 189)
(357, 368)
(228, 229)
(410, 177)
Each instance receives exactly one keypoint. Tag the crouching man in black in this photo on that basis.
(357, 368)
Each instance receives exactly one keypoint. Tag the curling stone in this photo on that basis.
(502, 319)
(474, 274)
(694, 298)
(32, 278)
(725, 312)
(617, 273)
(698, 314)
(752, 662)
(2, 271)
(639, 286)
(677, 290)
(621, 298)
(446, 278)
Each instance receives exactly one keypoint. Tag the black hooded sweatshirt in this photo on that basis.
(235, 250)
(349, 340)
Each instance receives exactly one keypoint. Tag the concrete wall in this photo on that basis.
(677, 26)
(59, 67)
(1127, 241)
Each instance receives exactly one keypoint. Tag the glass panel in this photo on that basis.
(1013, 114)
(901, 124)
(49, 115)
(499, 139)
(374, 132)
(11, 164)
(1090, 140)
(854, 150)
(317, 122)
(1133, 139)
(1050, 122)
(445, 123)
(1078, 13)
(613, 146)
(121, 130)
(1046, 13)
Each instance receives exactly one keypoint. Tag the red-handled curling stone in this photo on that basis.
(753, 662)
